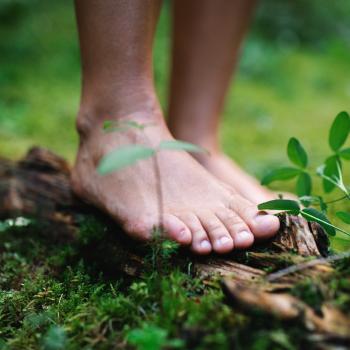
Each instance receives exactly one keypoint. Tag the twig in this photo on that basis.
(305, 265)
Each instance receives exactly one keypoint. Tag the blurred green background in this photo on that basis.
(292, 80)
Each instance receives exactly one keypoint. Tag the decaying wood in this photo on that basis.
(38, 186)
(286, 307)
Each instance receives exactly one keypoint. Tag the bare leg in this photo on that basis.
(207, 38)
(116, 45)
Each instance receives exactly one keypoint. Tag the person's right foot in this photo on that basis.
(198, 210)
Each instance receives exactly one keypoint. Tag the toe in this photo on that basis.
(261, 225)
(176, 229)
(265, 225)
(200, 241)
(220, 238)
(238, 229)
(141, 229)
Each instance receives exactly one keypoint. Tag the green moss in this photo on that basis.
(54, 294)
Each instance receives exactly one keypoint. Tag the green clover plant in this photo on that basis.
(330, 172)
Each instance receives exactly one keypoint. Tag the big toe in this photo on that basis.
(262, 225)
(265, 225)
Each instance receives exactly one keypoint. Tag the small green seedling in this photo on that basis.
(128, 155)
(330, 172)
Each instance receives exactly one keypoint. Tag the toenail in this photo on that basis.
(205, 244)
(264, 219)
(183, 233)
(243, 237)
(224, 240)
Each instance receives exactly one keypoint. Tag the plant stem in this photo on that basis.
(157, 174)
(158, 189)
(314, 218)
(294, 268)
(337, 200)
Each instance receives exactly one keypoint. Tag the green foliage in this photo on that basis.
(298, 22)
(298, 156)
(281, 204)
(343, 216)
(123, 157)
(345, 153)
(55, 339)
(338, 134)
(296, 153)
(122, 125)
(152, 338)
(285, 173)
(311, 214)
(330, 172)
(177, 145)
(339, 131)
(304, 184)
(129, 155)
(59, 293)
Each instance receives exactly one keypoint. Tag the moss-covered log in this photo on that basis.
(38, 186)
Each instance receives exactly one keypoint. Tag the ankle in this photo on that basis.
(207, 140)
(93, 114)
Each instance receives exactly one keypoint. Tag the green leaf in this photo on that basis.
(281, 174)
(343, 216)
(330, 170)
(181, 146)
(313, 215)
(55, 339)
(122, 125)
(281, 204)
(149, 337)
(122, 157)
(107, 124)
(313, 200)
(345, 153)
(304, 184)
(339, 131)
(323, 205)
(308, 200)
(296, 153)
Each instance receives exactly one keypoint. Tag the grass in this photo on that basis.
(51, 295)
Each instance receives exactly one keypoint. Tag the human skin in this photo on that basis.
(207, 37)
(117, 84)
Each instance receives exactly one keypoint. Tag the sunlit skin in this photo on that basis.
(199, 210)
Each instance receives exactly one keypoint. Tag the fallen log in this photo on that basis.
(39, 186)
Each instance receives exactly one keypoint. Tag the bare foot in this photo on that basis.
(226, 170)
(198, 209)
